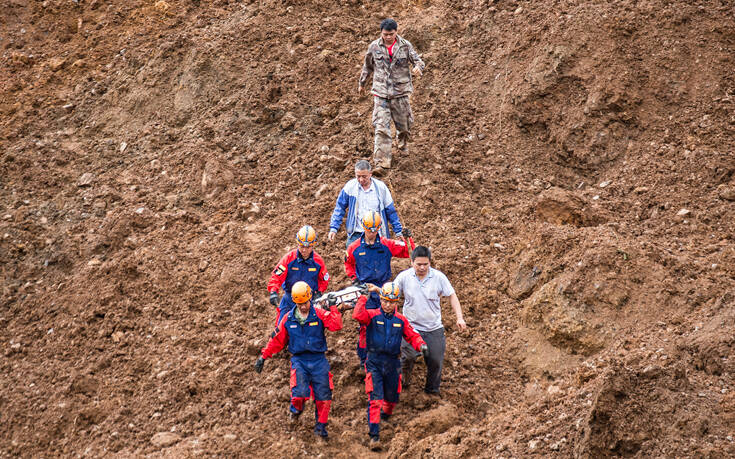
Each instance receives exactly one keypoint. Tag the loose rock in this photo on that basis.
(85, 180)
(725, 192)
(164, 439)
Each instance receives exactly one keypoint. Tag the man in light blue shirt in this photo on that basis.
(359, 197)
(423, 287)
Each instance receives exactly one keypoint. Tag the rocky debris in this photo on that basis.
(524, 281)
(216, 177)
(427, 423)
(319, 191)
(86, 179)
(249, 210)
(562, 207)
(210, 82)
(564, 325)
(288, 121)
(632, 410)
(165, 439)
(726, 192)
(56, 63)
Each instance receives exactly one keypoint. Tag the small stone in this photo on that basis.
(533, 444)
(68, 107)
(85, 180)
(596, 197)
(320, 190)
(161, 6)
(123, 146)
(557, 445)
(499, 246)
(500, 447)
(288, 121)
(640, 189)
(553, 390)
(56, 63)
(605, 184)
(139, 210)
(94, 262)
(230, 437)
(162, 374)
(117, 336)
(683, 213)
(726, 193)
(518, 10)
(164, 439)
(203, 265)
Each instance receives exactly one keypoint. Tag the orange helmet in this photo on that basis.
(306, 237)
(371, 221)
(300, 292)
(390, 292)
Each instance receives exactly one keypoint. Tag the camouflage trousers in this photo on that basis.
(385, 110)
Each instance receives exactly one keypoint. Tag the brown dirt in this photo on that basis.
(572, 167)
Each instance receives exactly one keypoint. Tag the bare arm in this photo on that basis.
(454, 301)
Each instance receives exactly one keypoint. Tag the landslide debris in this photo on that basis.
(156, 158)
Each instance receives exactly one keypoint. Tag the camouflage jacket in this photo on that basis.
(392, 77)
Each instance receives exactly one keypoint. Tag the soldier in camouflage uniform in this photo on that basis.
(390, 58)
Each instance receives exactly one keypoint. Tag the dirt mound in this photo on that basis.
(570, 166)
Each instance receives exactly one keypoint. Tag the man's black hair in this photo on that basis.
(421, 251)
(389, 24)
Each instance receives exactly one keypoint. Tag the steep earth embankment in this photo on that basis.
(572, 168)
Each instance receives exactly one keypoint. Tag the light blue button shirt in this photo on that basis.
(366, 201)
(422, 298)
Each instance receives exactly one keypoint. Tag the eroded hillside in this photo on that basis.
(572, 168)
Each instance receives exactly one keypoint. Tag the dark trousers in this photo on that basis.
(436, 342)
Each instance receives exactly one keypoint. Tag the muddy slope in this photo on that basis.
(572, 167)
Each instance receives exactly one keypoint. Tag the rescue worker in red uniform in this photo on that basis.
(300, 264)
(302, 329)
(385, 330)
(368, 261)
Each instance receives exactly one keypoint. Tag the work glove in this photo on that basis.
(274, 298)
(259, 364)
(356, 282)
(424, 351)
(364, 290)
(407, 232)
(331, 300)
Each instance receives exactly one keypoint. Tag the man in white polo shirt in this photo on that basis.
(423, 287)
